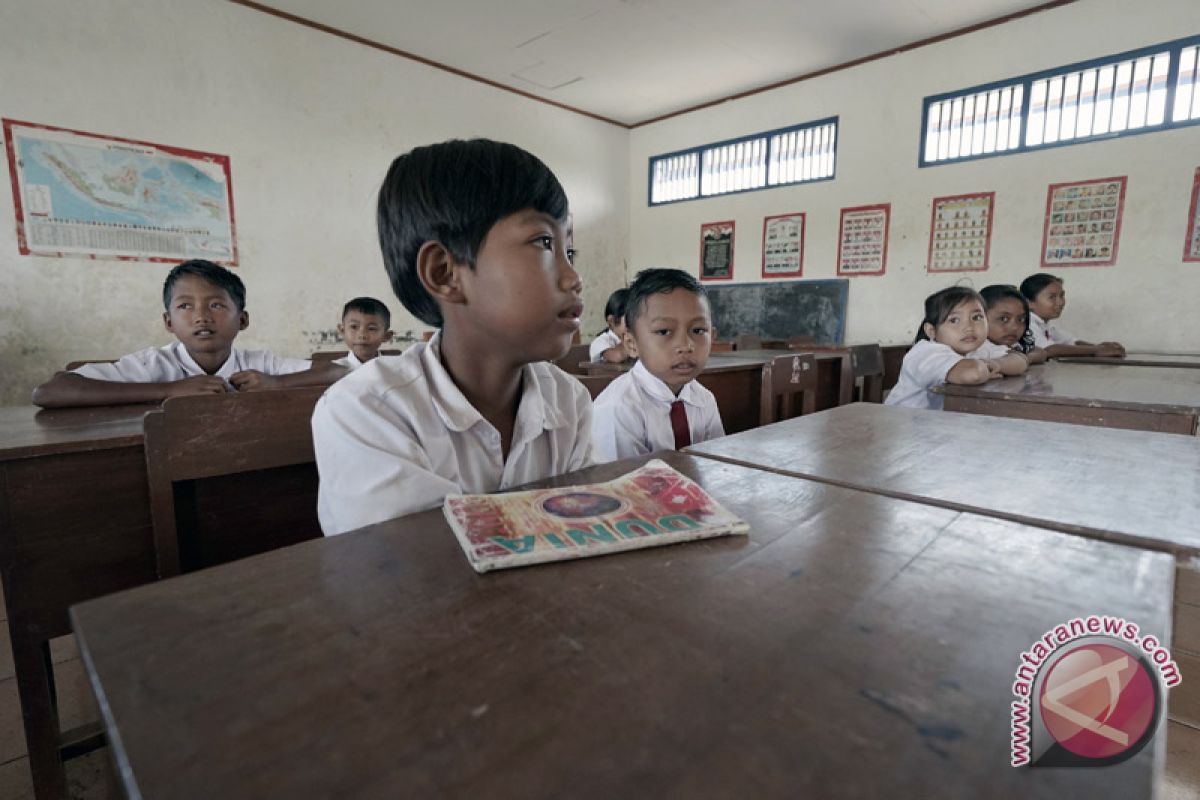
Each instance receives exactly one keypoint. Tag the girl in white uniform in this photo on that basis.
(1047, 299)
(610, 345)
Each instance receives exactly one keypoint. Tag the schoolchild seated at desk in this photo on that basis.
(1047, 299)
(610, 345)
(659, 405)
(205, 310)
(477, 242)
(366, 324)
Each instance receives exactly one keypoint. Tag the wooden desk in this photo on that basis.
(853, 645)
(835, 376)
(74, 524)
(1180, 360)
(1166, 400)
(1132, 487)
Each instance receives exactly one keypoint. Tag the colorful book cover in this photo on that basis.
(650, 506)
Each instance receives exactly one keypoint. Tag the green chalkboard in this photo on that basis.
(782, 309)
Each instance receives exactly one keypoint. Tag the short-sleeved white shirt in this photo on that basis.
(990, 350)
(349, 361)
(632, 415)
(397, 436)
(925, 365)
(173, 363)
(603, 342)
(1046, 333)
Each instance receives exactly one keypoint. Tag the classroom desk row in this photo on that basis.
(851, 645)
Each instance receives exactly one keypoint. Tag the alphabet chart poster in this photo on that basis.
(1083, 223)
(716, 251)
(862, 240)
(960, 233)
(783, 246)
(1191, 247)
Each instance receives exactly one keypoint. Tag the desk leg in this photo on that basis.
(35, 684)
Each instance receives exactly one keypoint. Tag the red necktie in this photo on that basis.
(679, 425)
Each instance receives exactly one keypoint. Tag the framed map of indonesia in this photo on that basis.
(84, 195)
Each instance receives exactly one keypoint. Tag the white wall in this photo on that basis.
(1149, 298)
(310, 122)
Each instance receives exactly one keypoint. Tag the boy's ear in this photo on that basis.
(930, 331)
(387, 336)
(341, 329)
(630, 343)
(245, 320)
(167, 321)
(438, 271)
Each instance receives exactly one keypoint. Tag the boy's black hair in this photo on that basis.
(216, 275)
(369, 305)
(1004, 291)
(939, 305)
(658, 280)
(453, 193)
(1033, 285)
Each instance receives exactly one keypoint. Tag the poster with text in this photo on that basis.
(1083, 223)
(85, 195)
(960, 232)
(1191, 246)
(783, 246)
(716, 251)
(863, 240)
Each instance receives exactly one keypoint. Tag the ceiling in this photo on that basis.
(635, 60)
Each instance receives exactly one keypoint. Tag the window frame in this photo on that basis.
(766, 136)
(1173, 49)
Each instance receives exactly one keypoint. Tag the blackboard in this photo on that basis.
(781, 309)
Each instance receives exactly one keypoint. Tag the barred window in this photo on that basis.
(798, 154)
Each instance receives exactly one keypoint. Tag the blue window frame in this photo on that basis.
(1150, 89)
(798, 154)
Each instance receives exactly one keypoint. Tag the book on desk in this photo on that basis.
(651, 506)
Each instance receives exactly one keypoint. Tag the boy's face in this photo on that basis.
(364, 333)
(204, 317)
(523, 298)
(672, 336)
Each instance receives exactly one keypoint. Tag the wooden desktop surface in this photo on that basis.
(1134, 487)
(1181, 360)
(1164, 399)
(852, 645)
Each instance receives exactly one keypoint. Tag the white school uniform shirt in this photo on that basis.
(925, 365)
(1046, 333)
(603, 342)
(397, 436)
(173, 363)
(990, 350)
(632, 415)
(349, 361)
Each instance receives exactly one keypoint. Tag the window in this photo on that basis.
(799, 154)
(1144, 90)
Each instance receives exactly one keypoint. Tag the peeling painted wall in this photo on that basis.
(310, 123)
(1148, 299)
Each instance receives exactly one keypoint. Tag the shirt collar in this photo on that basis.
(192, 368)
(1035, 318)
(657, 389)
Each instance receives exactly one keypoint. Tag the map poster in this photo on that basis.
(1083, 223)
(1191, 246)
(716, 251)
(783, 246)
(960, 232)
(862, 240)
(83, 195)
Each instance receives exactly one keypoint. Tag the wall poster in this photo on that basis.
(862, 240)
(716, 251)
(960, 232)
(783, 246)
(1083, 223)
(85, 195)
(1191, 246)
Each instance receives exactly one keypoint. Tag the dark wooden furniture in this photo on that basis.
(193, 440)
(1164, 400)
(783, 378)
(852, 645)
(866, 365)
(74, 524)
(596, 384)
(570, 362)
(834, 374)
(1180, 360)
(722, 347)
(1131, 487)
(748, 341)
(893, 360)
(332, 355)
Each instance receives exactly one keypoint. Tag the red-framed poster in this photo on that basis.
(960, 232)
(1191, 245)
(783, 246)
(716, 251)
(1083, 223)
(86, 195)
(863, 240)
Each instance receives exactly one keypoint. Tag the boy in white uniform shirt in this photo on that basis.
(205, 310)
(477, 241)
(658, 405)
(364, 327)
